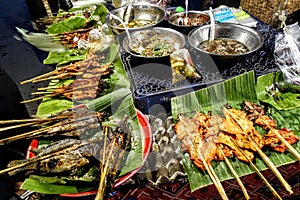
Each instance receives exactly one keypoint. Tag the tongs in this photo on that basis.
(128, 13)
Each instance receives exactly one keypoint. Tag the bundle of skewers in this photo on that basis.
(83, 143)
(209, 137)
(89, 76)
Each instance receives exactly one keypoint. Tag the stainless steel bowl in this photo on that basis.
(179, 21)
(175, 37)
(141, 12)
(246, 35)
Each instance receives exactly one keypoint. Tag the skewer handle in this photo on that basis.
(272, 167)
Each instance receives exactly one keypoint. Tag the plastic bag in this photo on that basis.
(287, 54)
(182, 66)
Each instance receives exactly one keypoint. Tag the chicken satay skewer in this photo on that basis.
(236, 176)
(288, 145)
(211, 173)
(257, 170)
(262, 154)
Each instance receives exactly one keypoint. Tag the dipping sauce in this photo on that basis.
(223, 46)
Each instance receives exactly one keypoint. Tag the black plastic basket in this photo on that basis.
(151, 83)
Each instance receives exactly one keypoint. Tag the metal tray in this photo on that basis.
(151, 83)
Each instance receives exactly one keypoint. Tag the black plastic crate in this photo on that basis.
(151, 83)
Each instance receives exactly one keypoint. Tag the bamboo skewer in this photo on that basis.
(57, 77)
(257, 171)
(16, 126)
(38, 77)
(272, 167)
(236, 176)
(24, 135)
(212, 175)
(104, 169)
(263, 155)
(36, 99)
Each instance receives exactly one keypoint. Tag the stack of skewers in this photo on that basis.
(82, 141)
(88, 83)
(209, 137)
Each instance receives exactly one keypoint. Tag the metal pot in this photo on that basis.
(246, 35)
(140, 12)
(184, 24)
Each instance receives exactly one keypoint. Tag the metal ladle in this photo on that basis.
(129, 12)
(211, 32)
(185, 20)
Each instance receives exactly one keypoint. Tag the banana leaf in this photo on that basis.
(117, 100)
(78, 21)
(280, 100)
(233, 92)
(70, 24)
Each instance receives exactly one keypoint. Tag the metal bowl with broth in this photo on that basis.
(143, 16)
(154, 42)
(230, 40)
(184, 24)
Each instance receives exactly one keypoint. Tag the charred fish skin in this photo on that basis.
(67, 161)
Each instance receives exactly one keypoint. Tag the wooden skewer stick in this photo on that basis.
(17, 126)
(236, 176)
(272, 167)
(47, 88)
(44, 92)
(212, 175)
(38, 98)
(263, 156)
(38, 77)
(57, 77)
(104, 168)
(257, 171)
(288, 145)
(24, 135)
